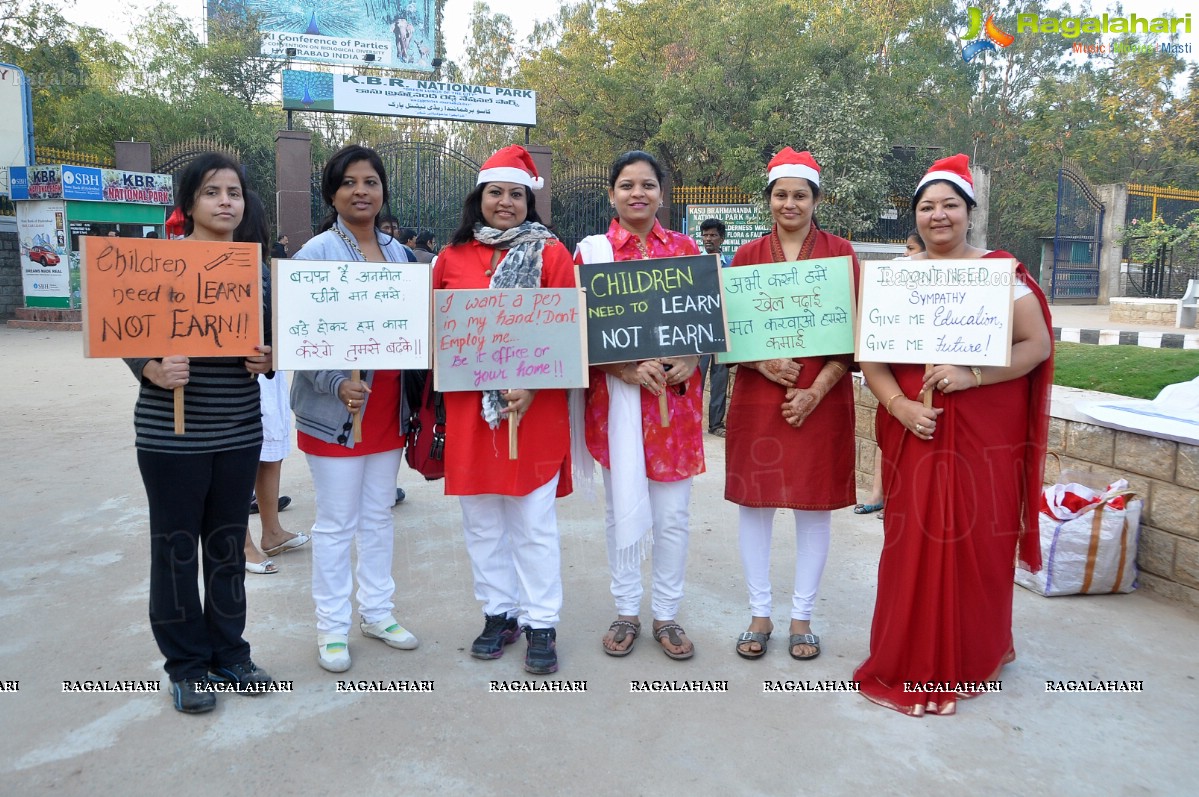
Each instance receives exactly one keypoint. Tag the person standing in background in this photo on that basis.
(712, 232)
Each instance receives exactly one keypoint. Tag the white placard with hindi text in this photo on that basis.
(350, 315)
(952, 312)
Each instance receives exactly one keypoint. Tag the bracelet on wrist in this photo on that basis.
(887, 405)
(978, 375)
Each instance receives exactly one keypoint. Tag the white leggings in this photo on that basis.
(811, 552)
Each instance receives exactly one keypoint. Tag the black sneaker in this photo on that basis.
(400, 496)
(190, 696)
(541, 658)
(245, 678)
(498, 630)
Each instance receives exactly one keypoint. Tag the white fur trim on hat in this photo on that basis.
(509, 174)
(952, 177)
(793, 170)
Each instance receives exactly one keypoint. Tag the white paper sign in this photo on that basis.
(347, 315)
(952, 312)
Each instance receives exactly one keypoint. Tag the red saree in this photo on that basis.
(959, 508)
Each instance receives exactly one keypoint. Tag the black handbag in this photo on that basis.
(425, 452)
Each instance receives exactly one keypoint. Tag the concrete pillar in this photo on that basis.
(977, 236)
(132, 156)
(1115, 207)
(543, 159)
(293, 182)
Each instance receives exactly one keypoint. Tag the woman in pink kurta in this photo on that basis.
(508, 513)
(790, 426)
(647, 466)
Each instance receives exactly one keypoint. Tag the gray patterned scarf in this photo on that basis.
(521, 268)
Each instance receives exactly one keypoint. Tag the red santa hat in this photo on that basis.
(955, 169)
(789, 163)
(511, 164)
(175, 224)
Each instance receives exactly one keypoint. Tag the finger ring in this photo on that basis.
(919, 428)
(945, 381)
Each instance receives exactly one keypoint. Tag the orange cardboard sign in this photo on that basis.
(145, 297)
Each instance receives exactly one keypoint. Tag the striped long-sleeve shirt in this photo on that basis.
(221, 409)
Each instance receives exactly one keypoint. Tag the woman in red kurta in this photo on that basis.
(961, 479)
(790, 442)
(647, 466)
(507, 504)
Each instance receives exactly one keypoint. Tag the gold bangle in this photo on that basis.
(978, 375)
(841, 369)
(887, 405)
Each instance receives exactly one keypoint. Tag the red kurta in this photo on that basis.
(768, 462)
(959, 508)
(476, 456)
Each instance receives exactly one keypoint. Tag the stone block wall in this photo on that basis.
(12, 293)
(1163, 473)
(1162, 312)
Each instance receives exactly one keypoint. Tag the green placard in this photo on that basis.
(800, 309)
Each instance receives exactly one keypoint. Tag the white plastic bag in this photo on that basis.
(1088, 549)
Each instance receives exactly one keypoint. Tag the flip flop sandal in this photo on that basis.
(752, 636)
(672, 630)
(804, 639)
(866, 509)
(264, 568)
(622, 630)
(290, 545)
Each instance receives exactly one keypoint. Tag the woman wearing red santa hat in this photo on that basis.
(508, 514)
(961, 480)
(790, 425)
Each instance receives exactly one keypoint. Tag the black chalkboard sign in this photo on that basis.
(640, 309)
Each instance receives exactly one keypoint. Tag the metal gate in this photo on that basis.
(1077, 234)
(579, 204)
(427, 182)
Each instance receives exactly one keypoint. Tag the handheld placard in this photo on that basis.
(149, 297)
(356, 426)
(178, 410)
(513, 422)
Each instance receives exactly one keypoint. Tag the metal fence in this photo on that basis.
(1167, 272)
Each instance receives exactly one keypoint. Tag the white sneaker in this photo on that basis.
(333, 652)
(391, 632)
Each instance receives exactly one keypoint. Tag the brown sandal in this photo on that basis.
(672, 631)
(622, 630)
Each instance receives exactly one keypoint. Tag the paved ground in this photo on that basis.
(73, 583)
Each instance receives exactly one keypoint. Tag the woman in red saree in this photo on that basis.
(961, 478)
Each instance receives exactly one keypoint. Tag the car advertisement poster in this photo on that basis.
(45, 265)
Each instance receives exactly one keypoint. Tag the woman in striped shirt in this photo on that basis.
(198, 483)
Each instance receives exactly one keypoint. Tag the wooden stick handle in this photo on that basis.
(179, 410)
(928, 394)
(664, 409)
(513, 423)
(356, 375)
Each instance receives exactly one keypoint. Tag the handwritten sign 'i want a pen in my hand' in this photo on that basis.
(145, 297)
(521, 338)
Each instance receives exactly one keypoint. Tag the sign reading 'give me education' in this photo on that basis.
(520, 338)
(641, 309)
(145, 297)
(952, 312)
(350, 315)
